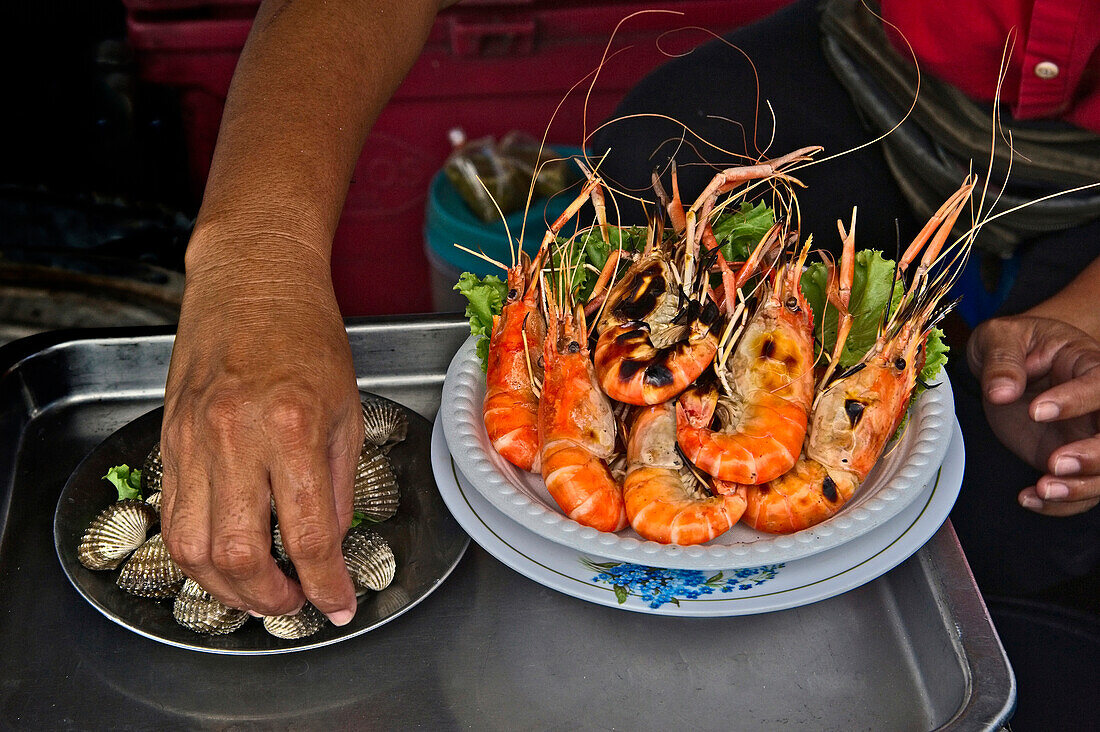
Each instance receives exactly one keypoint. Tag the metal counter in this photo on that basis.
(490, 649)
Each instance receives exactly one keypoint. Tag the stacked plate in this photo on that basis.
(510, 514)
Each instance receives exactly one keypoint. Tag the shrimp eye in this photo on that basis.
(899, 363)
(513, 294)
(854, 409)
(573, 347)
(792, 304)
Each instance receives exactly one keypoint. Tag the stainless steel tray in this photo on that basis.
(490, 649)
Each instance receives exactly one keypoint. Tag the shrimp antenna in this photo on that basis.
(503, 219)
(904, 117)
(480, 255)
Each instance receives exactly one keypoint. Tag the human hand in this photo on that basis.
(261, 402)
(1040, 383)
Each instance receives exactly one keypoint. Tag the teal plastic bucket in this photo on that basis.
(449, 221)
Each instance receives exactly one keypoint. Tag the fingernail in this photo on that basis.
(1046, 411)
(1067, 465)
(254, 614)
(1030, 501)
(297, 610)
(1056, 491)
(1001, 390)
(341, 617)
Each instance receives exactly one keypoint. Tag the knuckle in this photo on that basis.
(293, 418)
(324, 599)
(188, 550)
(223, 414)
(311, 543)
(239, 556)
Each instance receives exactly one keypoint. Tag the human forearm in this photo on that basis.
(1078, 303)
(311, 80)
(261, 401)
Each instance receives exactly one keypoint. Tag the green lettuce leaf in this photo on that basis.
(935, 357)
(740, 231)
(591, 253)
(486, 298)
(873, 289)
(126, 481)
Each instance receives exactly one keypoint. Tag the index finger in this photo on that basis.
(241, 540)
(1077, 368)
(312, 535)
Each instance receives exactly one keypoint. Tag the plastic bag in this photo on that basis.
(483, 171)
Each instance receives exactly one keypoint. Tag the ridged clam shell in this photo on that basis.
(277, 544)
(369, 560)
(384, 423)
(376, 492)
(197, 610)
(153, 499)
(152, 471)
(118, 530)
(307, 621)
(150, 572)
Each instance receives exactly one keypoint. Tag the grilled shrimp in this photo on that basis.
(664, 501)
(651, 346)
(513, 367)
(857, 413)
(577, 429)
(767, 388)
(658, 333)
(511, 402)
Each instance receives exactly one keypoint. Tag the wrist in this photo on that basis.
(1076, 303)
(258, 246)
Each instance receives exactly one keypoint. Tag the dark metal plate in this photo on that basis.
(426, 541)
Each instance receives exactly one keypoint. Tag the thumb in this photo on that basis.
(996, 353)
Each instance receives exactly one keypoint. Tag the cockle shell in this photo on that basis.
(152, 471)
(384, 424)
(154, 499)
(376, 492)
(277, 544)
(150, 572)
(306, 621)
(198, 610)
(118, 530)
(369, 559)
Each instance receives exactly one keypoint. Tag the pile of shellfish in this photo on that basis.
(120, 535)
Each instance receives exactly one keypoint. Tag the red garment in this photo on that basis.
(1054, 68)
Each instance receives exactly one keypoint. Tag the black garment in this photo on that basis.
(1012, 551)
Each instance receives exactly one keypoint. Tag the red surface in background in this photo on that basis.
(488, 68)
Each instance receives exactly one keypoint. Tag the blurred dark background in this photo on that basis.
(90, 148)
(94, 204)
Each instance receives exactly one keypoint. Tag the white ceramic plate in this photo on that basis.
(892, 485)
(694, 593)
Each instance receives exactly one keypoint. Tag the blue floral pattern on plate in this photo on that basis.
(657, 586)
